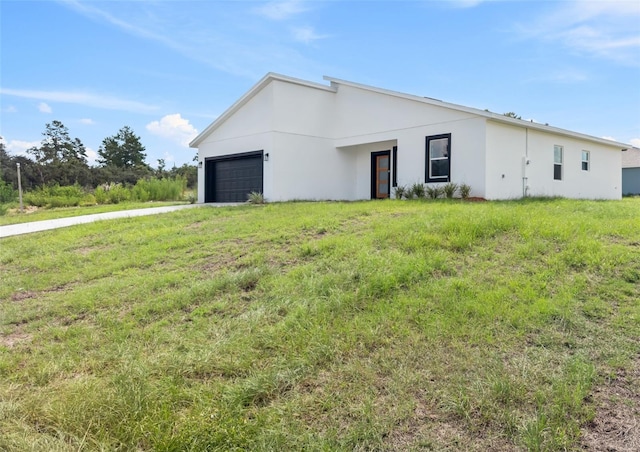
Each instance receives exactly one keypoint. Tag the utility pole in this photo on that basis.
(20, 187)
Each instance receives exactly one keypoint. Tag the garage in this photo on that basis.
(231, 178)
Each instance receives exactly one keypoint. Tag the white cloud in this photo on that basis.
(10, 109)
(306, 34)
(604, 29)
(19, 147)
(175, 128)
(44, 108)
(80, 98)
(92, 156)
(635, 142)
(168, 158)
(87, 121)
(281, 10)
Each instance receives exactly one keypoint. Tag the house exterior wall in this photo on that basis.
(467, 153)
(360, 112)
(320, 141)
(602, 181)
(631, 181)
(249, 129)
(509, 147)
(302, 110)
(303, 167)
(506, 150)
(365, 119)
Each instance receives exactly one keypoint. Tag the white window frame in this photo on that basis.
(586, 161)
(558, 163)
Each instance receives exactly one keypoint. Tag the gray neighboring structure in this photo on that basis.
(631, 171)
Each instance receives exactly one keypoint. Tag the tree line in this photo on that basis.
(62, 160)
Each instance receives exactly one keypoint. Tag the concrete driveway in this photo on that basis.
(37, 226)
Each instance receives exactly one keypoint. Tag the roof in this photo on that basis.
(631, 158)
(335, 83)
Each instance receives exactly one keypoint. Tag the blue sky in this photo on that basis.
(168, 68)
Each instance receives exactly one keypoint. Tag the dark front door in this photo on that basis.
(232, 178)
(380, 171)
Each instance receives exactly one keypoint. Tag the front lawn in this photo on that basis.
(392, 325)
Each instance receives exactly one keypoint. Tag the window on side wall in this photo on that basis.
(557, 162)
(586, 159)
(438, 158)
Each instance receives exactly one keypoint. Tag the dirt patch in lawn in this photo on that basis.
(13, 339)
(616, 427)
(22, 295)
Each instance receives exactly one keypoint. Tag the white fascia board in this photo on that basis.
(264, 81)
(483, 113)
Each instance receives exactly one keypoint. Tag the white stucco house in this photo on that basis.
(631, 172)
(294, 139)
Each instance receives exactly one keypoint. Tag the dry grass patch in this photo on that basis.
(616, 425)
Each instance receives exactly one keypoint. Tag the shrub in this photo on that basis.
(416, 190)
(55, 196)
(255, 197)
(434, 191)
(154, 189)
(88, 200)
(117, 193)
(7, 193)
(101, 195)
(465, 190)
(111, 194)
(449, 189)
(400, 191)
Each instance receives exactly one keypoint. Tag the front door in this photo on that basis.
(380, 171)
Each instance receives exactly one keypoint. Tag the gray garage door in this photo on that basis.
(232, 178)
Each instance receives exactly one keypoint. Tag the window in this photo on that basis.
(438, 158)
(557, 162)
(585, 160)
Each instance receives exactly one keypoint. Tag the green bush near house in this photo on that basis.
(434, 191)
(400, 192)
(416, 191)
(465, 190)
(449, 189)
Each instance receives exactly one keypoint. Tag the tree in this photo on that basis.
(59, 158)
(122, 150)
(511, 114)
(161, 172)
(189, 172)
(122, 158)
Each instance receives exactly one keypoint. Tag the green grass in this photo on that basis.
(319, 326)
(15, 216)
